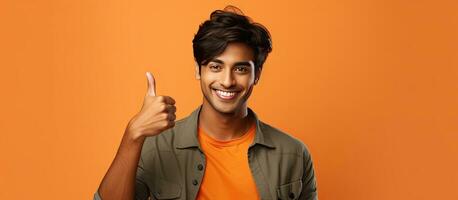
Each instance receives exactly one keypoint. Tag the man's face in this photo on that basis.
(228, 79)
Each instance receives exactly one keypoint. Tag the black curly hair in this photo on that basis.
(227, 26)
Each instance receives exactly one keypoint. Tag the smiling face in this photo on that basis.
(228, 79)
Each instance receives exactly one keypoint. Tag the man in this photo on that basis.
(222, 150)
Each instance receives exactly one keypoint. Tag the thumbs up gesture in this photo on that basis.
(156, 115)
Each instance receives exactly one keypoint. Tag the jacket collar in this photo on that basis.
(187, 134)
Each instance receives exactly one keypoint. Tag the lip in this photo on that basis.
(223, 97)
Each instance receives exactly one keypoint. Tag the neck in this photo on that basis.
(224, 126)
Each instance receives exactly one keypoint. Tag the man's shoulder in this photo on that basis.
(283, 141)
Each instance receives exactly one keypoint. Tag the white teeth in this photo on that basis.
(225, 94)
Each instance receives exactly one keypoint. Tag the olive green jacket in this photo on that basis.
(172, 164)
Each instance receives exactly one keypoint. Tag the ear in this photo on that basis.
(197, 71)
(257, 75)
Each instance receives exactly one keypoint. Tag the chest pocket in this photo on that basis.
(290, 190)
(166, 190)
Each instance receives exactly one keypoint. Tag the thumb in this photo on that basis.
(151, 85)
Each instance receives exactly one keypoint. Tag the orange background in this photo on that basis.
(370, 86)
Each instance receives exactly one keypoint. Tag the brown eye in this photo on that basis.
(214, 67)
(241, 69)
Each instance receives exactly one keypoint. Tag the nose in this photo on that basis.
(227, 79)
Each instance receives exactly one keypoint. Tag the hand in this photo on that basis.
(156, 115)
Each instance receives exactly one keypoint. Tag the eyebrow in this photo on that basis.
(235, 64)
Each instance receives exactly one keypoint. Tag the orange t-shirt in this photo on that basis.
(227, 173)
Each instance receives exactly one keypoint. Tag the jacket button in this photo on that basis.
(291, 195)
(194, 182)
(200, 167)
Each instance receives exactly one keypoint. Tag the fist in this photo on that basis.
(156, 115)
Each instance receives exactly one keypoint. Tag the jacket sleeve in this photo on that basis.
(309, 189)
(141, 188)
